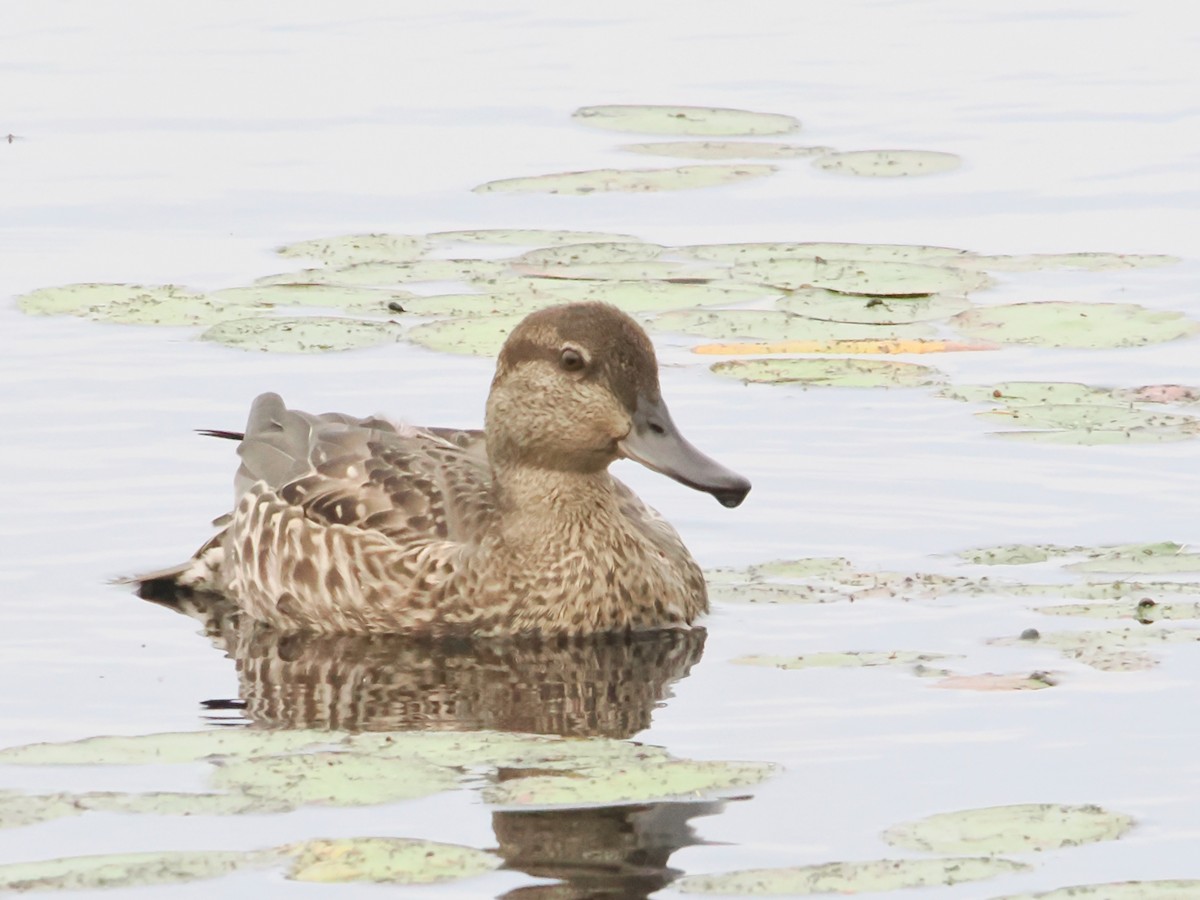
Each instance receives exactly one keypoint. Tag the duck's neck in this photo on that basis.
(564, 507)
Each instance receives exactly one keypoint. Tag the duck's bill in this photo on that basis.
(656, 443)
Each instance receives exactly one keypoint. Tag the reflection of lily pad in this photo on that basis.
(725, 150)
(1020, 828)
(1179, 889)
(826, 250)
(1062, 324)
(816, 303)
(357, 248)
(387, 860)
(171, 747)
(888, 163)
(525, 237)
(847, 660)
(655, 780)
(18, 810)
(777, 325)
(830, 372)
(80, 873)
(849, 877)
(632, 180)
(870, 277)
(693, 120)
(305, 334)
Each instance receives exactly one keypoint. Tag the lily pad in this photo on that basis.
(1055, 323)
(848, 660)
(990, 681)
(356, 248)
(1090, 423)
(527, 237)
(609, 786)
(868, 876)
(473, 336)
(807, 567)
(629, 270)
(1029, 393)
(703, 121)
(888, 163)
(134, 304)
(305, 334)
(777, 325)
(326, 296)
(1019, 828)
(588, 253)
(1144, 610)
(772, 593)
(18, 810)
(647, 296)
(1155, 558)
(633, 180)
(725, 150)
(334, 778)
(384, 274)
(866, 277)
(387, 861)
(1093, 262)
(175, 803)
(825, 250)
(857, 373)
(831, 306)
(79, 873)
(1113, 650)
(1176, 889)
(157, 749)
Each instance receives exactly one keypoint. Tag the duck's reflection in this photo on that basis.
(603, 686)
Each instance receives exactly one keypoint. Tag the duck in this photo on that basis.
(347, 525)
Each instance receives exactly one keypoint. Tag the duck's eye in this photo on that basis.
(571, 360)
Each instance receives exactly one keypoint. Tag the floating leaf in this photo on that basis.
(588, 253)
(628, 270)
(803, 568)
(1155, 558)
(1029, 393)
(156, 749)
(328, 296)
(173, 803)
(384, 274)
(725, 150)
(1178, 889)
(1158, 393)
(888, 163)
(830, 372)
(1144, 610)
(849, 877)
(989, 681)
(18, 810)
(816, 303)
(1054, 323)
(771, 593)
(776, 325)
(475, 336)
(1114, 650)
(824, 250)
(1092, 423)
(526, 237)
(387, 860)
(918, 345)
(847, 660)
(79, 873)
(1094, 262)
(867, 277)
(633, 296)
(634, 180)
(1019, 828)
(305, 334)
(135, 304)
(694, 120)
(356, 248)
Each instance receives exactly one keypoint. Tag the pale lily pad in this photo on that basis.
(867, 277)
(628, 783)
(868, 876)
(132, 304)
(79, 873)
(587, 253)
(1159, 393)
(629, 270)
(326, 296)
(633, 180)
(387, 861)
(1090, 423)
(807, 567)
(831, 306)
(825, 250)
(509, 302)
(1114, 650)
(334, 778)
(170, 747)
(1055, 323)
(990, 681)
(857, 373)
(172, 803)
(527, 237)
(702, 121)
(1150, 558)
(304, 334)
(888, 163)
(1020, 828)
(384, 274)
(18, 810)
(473, 336)
(633, 296)
(1177, 889)
(777, 325)
(1094, 262)
(771, 593)
(848, 660)
(1144, 610)
(356, 248)
(1029, 393)
(725, 150)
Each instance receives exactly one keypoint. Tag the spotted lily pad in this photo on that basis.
(632, 180)
(647, 270)
(868, 876)
(473, 336)
(725, 150)
(304, 334)
(856, 373)
(1175, 889)
(1030, 393)
(690, 120)
(387, 861)
(526, 237)
(806, 567)
(888, 163)
(135, 304)
(825, 250)
(356, 248)
(176, 803)
(384, 274)
(1144, 610)
(1113, 650)
(589, 253)
(1156, 558)
(1020, 828)
(831, 306)
(1055, 323)
(1090, 423)
(18, 810)
(327, 296)
(170, 747)
(777, 325)
(78, 873)
(867, 277)
(1094, 262)
(847, 660)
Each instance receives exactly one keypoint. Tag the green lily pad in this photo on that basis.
(472, 336)
(1019, 828)
(1113, 650)
(132, 304)
(500, 303)
(770, 593)
(384, 274)
(867, 277)
(157, 749)
(588, 253)
(831, 306)
(624, 783)
(869, 876)
(334, 778)
(326, 296)
(79, 873)
(1055, 323)
(633, 180)
(807, 567)
(1176, 889)
(848, 660)
(692, 120)
(647, 270)
(527, 237)
(1029, 393)
(1155, 558)
(646, 296)
(1093, 262)
(1090, 423)
(18, 810)
(387, 861)
(304, 334)
(348, 249)
(777, 325)
(172, 803)
(991, 681)
(835, 372)
(825, 250)
(888, 163)
(725, 150)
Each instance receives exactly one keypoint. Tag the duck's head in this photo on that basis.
(576, 387)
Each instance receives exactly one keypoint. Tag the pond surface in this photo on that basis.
(182, 149)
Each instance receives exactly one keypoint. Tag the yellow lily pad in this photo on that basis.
(387, 861)
(1055, 323)
(702, 121)
(595, 181)
(1019, 828)
(888, 163)
(726, 150)
(856, 373)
